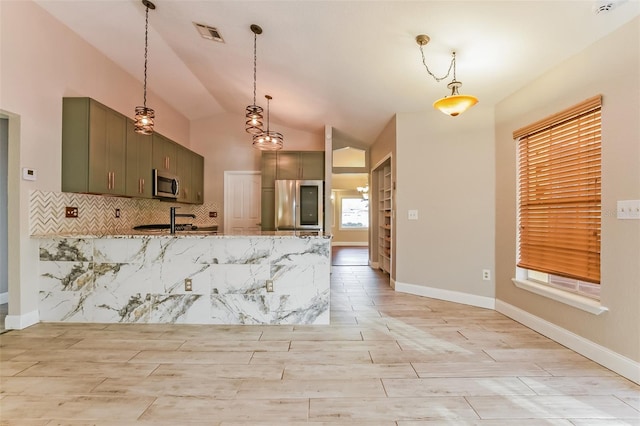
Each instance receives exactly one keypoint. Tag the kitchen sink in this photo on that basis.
(162, 228)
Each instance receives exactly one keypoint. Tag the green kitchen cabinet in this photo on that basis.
(268, 209)
(139, 158)
(183, 171)
(269, 164)
(93, 148)
(300, 165)
(164, 154)
(197, 179)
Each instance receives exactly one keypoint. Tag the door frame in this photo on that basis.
(226, 198)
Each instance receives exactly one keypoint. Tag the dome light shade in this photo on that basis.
(455, 104)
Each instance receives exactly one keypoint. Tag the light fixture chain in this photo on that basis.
(451, 65)
(146, 44)
(255, 65)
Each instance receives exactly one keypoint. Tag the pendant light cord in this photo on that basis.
(255, 64)
(146, 35)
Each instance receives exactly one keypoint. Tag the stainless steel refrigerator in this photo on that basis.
(299, 205)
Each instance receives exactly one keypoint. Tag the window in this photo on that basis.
(354, 213)
(559, 198)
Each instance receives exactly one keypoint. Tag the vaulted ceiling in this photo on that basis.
(349, 64)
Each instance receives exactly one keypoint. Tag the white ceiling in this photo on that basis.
(349, 64)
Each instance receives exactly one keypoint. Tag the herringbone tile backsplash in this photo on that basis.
(97, 213)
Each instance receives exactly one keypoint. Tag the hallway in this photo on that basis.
(387, 359)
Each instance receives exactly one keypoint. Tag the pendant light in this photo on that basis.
(268, 140)
(144, 116)
(454, 104)
(253, 114)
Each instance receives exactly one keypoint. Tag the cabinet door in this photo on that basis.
(183, 171)
(268, 209)
(139, 164)
(312, 165)
(288, 164)
(107, 138)
(164, 154)
(197, 178)
(269, 166)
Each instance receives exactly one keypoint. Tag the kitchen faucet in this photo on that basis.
(172, 218)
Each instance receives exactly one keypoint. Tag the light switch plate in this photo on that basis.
(29, 174)
(413, 214)
(628, 209)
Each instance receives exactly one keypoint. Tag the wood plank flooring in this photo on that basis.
(387, 359)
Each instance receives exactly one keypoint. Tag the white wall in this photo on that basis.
(446, 171)
(41, 62)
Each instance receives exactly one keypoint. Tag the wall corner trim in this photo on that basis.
(448, 295)
(606, 357)
(4, 298)
(18, 322)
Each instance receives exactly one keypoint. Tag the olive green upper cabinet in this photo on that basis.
(197, 179)
(268, 174)
(139, 176)
(183, 171)
(93, 147)
(164, 154)
(300, 165)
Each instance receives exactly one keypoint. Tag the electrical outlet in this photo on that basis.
(213, 214)
(71, 212)
(269, 286)
(486, 275)
(117, 213)
(188, 284)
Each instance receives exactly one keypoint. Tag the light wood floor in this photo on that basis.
(387, 359)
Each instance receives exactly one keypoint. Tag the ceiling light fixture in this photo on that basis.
(455, 104)
(268, 140)
(364, 190)
(144, 116)
(254, 112)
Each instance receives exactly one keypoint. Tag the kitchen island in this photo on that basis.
(186, 278)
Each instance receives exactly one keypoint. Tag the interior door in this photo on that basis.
(242, 203)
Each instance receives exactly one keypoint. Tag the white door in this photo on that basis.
(242, 203)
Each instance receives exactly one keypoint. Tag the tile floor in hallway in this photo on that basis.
(387, 359)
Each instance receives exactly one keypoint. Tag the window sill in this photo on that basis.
(575, 300)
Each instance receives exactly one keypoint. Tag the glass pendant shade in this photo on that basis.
(455, 105)
(144, 120)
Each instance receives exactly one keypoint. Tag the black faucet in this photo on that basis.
(172, 218)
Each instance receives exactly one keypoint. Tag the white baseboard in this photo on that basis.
(448, 295)
(603, 356)
(18, 322)
(354, 244)
(4, 298)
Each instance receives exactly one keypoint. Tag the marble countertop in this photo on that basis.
(179, 234)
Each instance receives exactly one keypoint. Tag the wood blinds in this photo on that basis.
(559, 195)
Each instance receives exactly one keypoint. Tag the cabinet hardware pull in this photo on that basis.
(142, 181)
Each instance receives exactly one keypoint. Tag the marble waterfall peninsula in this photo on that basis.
(186, 279)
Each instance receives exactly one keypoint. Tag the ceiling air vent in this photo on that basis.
(208, 32)
(603, 6)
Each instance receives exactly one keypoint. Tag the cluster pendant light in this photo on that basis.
(454, 104)
(268, 140)
(265, 140)
(144, 116)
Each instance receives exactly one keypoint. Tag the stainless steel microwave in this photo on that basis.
(165, 185)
